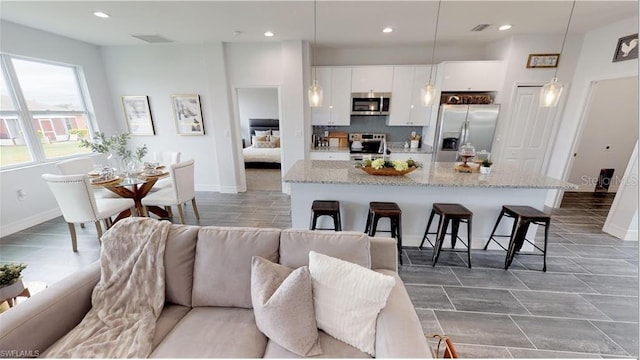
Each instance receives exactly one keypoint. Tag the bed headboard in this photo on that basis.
(263, 124)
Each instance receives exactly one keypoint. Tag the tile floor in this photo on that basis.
(584, 306)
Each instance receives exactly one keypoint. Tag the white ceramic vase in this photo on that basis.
(484, 170)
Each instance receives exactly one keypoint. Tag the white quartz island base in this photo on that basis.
(415, 193)
(415, 203)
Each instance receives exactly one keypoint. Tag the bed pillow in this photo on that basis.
(347, 298)
(283, 306)
(256, 138)
(275, 132)
(264, 144)
(275, 140)
(262, 132)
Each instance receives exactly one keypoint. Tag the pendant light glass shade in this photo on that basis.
(427, 94)
(550, 93)
(315, 94)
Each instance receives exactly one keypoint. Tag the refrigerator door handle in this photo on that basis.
(464, 133)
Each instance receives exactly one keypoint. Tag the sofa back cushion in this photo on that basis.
(222, 269)
(345, 245)
(178, 259)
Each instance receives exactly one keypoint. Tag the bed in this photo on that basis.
(264, 146)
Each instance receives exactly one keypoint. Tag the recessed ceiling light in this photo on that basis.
(269, 34)
(504, 27)
(101, 14)
(387, 30)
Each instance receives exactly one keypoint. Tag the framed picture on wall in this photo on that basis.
(543, 60)
(188, 114)
(137, 113)
(627, 48)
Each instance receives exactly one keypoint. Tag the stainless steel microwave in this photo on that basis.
(370, 103)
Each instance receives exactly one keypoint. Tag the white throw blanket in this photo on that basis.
(129, 297)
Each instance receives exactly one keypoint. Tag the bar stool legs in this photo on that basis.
(325, 208)
(448, 213)
(378, 210)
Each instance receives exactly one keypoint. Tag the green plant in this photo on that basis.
(10, 273)
(487, 163)
(82, 133)
(118, 143)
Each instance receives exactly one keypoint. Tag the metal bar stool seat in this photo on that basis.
(522, 216)
(391, 210)
(326, 208)
(456, 214)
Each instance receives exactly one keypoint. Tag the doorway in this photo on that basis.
(258, 103)
(608, 136)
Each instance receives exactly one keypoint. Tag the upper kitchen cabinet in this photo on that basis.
(406, 103)
(336, 93)
(367, 78)
(472, 75)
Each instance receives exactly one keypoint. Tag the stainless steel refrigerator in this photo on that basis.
(461, 124)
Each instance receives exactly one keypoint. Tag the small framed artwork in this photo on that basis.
(188, 114)
(543, 60)
(138, 115)
(627, 48)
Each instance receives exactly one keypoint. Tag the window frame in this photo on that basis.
(26, 116)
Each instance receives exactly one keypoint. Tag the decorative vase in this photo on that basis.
(115, 162)
(484, 170)
(11, 291)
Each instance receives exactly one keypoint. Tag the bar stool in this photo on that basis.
(522, 216)
(391, 210)
(456, 214)
(326, 208)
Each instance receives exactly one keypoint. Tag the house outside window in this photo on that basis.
(43, 111)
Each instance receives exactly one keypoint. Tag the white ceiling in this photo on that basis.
(339, 23)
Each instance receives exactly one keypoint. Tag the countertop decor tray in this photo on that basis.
(386, 171)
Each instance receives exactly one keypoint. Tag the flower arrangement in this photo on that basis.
(118, 143)
(387, 167)
(10, 273)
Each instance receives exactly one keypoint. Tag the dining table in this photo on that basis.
(136, 188)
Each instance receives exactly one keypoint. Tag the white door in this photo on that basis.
(529, 135)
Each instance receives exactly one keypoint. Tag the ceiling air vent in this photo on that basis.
(480, 27)
(152, 39)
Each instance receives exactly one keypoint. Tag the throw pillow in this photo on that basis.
(255, 139)
(275, 132)
(264, 144)
(283, 306)
(262, 132)
(347, 299)
(275, 140)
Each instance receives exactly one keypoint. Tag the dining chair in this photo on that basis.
(182, 190)
(165, 158)
(78, 204)
(82, 166)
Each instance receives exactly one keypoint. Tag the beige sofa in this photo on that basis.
(208, 297)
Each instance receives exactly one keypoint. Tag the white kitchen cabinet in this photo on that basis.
(473, 75)
(421, 158)
(367, 78)
(406, 103)
(336, 93)
(329, 155)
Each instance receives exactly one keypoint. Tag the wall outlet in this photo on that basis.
(22, 195)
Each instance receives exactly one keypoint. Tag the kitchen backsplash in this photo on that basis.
(372, 124)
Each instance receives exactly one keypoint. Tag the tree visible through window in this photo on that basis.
(43, 112)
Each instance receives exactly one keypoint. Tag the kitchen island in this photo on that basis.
(415, 193)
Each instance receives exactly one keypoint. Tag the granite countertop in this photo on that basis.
(431, 174)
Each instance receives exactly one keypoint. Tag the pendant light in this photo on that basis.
(315, 90)
(428, 92)
(551, 92)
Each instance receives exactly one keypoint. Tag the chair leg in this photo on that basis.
(368, 226)
(495, 227)
(181, 213)
(374, 225)
(511, 250)
(442, 232)
(469, 235)
(82, 225)
(426, 231)
(339, 222)
(168, 209)
(99, 229)
(455, 226)
(195, 208)
(544, 254)
(74, 239)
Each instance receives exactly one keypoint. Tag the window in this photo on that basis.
(43, 113)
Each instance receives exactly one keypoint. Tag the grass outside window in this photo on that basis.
(19, 154)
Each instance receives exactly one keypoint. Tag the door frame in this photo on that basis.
(237, 130)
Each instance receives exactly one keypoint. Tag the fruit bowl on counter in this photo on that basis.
(388, 168)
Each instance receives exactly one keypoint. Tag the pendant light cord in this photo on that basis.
(313, 50)
(435, 35)
(573, 6)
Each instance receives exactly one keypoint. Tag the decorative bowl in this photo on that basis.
(386, 171)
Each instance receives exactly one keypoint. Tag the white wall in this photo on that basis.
(609, 134)
(622, 220)
(40, 204)
(594, 64)
(256, 103)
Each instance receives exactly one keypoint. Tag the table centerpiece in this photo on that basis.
(388, 168)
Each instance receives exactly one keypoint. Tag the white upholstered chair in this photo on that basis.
(182, 190)
(78, 204)
(82, 166)
(165, 158)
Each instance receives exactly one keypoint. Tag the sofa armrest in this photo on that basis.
(398, 330)
(31, 327)
(384, 253)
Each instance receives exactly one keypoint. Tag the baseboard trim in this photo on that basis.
(621, 233)
(26, 223)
